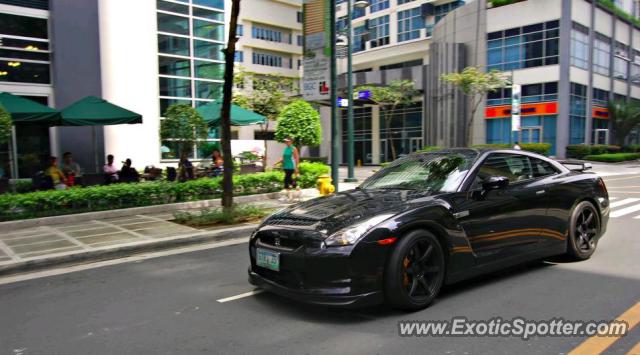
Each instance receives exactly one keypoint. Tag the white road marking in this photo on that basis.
(626, 201)
(135, 258)
(625, 211)
(242, 295)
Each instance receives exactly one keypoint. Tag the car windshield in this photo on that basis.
(434, 172)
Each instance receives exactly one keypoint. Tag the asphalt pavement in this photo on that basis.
(199, 301)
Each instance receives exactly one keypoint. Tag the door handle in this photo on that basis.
(541, 192)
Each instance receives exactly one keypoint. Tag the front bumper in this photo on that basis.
(360, 300)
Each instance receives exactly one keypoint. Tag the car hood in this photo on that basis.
(331, 213)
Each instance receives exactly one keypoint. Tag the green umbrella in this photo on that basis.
(239, 116)
(24, 111)
(94, 111)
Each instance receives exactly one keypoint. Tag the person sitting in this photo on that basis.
(128, 173)
(185, 168)
(70, 168)
(217, 164)
(58, 179)
(110, 171)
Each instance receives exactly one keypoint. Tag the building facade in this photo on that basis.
(391, 42)
(143, 55)
(569, 57)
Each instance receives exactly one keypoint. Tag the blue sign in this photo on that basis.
(364, 95)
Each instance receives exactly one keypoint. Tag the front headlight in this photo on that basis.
(352, 234)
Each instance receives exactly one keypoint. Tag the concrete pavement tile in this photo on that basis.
(122, 237)
(32, 240)
(142, 225)
(50, 252)
(31, 248)
(91, 232)
(23, 233)
(80, 226)
(126, 220)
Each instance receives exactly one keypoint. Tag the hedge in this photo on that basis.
(579, 151)
(540, 148)
(613, 157)
(99, 198)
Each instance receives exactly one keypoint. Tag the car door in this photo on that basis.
(503, 222)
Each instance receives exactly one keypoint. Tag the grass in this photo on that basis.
(217, 216)
(613, 157)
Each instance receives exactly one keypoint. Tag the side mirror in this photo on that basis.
(495, 183)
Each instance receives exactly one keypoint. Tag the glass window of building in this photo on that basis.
(580, 46)
(402, 132)
(621, 61)
(577, 113)
(23, 26)
(525, 47)
(173, 45)
(360, 34)
(174, 66)
(209, 70)
(208, 30)
(410, 23)
(379, 31)
(208, 89)
(362, 134)
(175, 87)
(239, 57)
(600, 97)
(271, 34)
(173, 24)
(635, 68)
(172, 7)
(601, 54)
(442, 10)
(378, 5)
(208, 14)
(217, 4)
(207, 50)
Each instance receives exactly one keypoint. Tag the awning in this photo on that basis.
(27, 112)
(94, 111)
(239, 116)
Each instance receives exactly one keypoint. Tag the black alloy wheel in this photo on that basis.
(583, 231)
(415, 271)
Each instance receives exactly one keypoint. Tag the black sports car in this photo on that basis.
(426, 220)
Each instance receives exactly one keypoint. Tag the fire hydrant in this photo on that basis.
(324, 185)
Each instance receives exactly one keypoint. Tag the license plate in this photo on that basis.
(268, 259)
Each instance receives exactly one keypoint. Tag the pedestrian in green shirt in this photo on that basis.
(290, 161)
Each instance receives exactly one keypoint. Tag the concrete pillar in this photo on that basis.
(375, 135)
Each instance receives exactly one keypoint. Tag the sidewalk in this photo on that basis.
(102, 238)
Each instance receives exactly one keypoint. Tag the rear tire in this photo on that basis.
(584, 228)
(415, 271)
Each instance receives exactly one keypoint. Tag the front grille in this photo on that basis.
(280, 242)
(288, 221)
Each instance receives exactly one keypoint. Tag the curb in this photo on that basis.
(124, 250)
(124, 212)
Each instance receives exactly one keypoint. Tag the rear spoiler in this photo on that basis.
(575, 165)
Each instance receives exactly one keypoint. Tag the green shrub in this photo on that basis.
(540, 148)
(632, 148)
(323, 160)
(97, 198)
(309, 173)
(429, 148)
(613, 157)
(579, 151)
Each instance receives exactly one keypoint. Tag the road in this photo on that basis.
(166, 304)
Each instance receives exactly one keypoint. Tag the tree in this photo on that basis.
(5, 133)
(475, 84)
(263, 94)
(225, 111)
(184, 126)
(5, 126)
(397, 94)
(300, 122)
(624, 116)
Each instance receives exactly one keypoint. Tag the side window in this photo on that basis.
(515, 167)
(542, 168)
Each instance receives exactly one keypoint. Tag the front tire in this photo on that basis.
(584, 227)
(415, 271)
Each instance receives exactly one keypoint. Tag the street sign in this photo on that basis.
(364, 94)
(515, 107)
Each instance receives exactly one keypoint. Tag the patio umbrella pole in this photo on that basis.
(95, 148)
